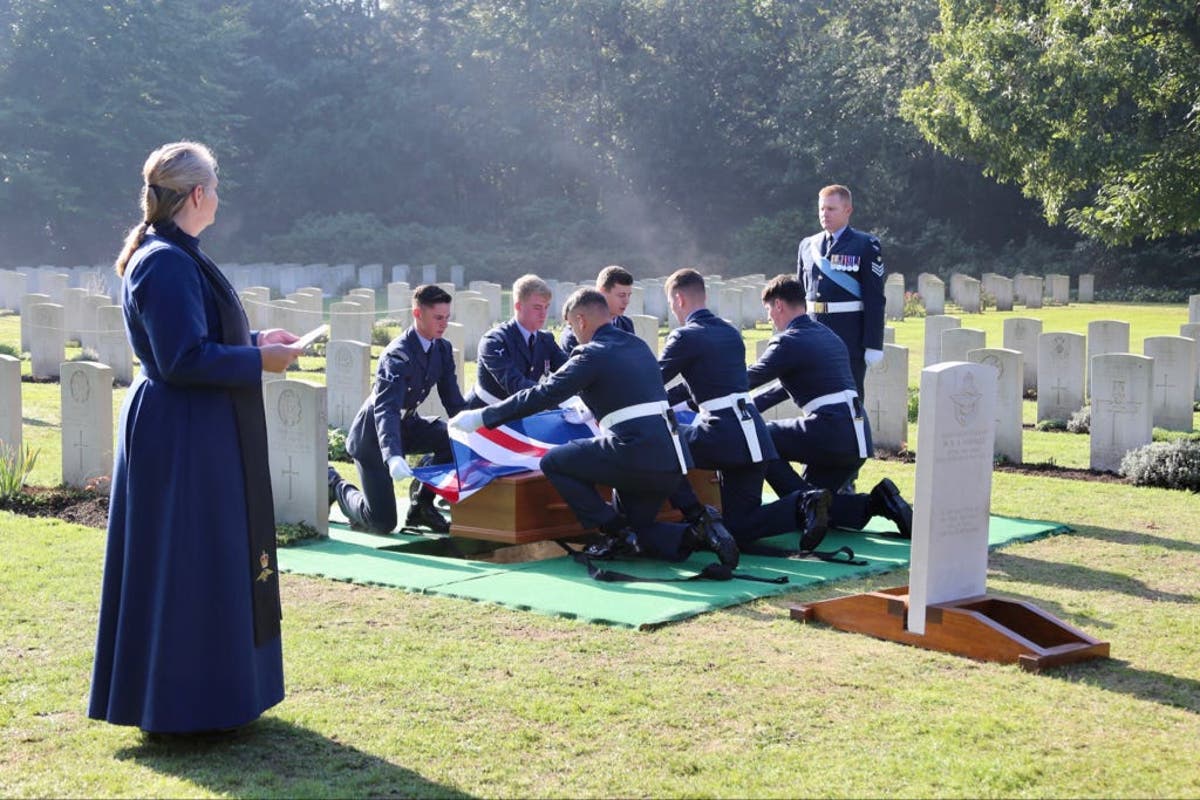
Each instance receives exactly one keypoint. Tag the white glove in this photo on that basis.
(872, 357)
(578, 414)
(468, 421)
(399, 468)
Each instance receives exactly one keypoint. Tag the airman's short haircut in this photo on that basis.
(785, 288)
(611, 276)
(687, 281)
(587, 301)
(430, 295)
(836, 188)
(527, 286)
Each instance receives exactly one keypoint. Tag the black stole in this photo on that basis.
(252, 438)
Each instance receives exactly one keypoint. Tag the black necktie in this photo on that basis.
(828, 245)
(532, 339)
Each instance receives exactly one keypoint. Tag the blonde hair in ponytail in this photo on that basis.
(170, 173)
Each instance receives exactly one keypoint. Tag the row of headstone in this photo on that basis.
(45, 331)
(54, 281)
(967, 292)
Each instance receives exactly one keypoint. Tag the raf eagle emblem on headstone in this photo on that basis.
(966, 401)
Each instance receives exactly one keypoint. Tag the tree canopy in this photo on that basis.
(1090, 106)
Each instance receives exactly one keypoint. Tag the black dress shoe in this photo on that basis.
(623, 543)
(812, 517)
(886, 502)
(425, 515)
(335, 481)
(710, 533)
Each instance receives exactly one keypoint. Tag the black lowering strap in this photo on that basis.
(832, 556)
(712, 572)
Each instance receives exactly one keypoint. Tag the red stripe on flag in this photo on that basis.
(502, 439)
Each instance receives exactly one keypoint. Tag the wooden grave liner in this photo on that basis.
(523, 508)
(986, 628)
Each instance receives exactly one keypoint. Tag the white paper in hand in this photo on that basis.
(307, 340)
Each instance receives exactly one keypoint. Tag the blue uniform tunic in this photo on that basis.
(507, 364)
(857, 258)
(810, 361)
(388, 425)
(175, 650)
(637, 458)
(569, 342)
(710, 355)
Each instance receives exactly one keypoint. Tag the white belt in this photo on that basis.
(658, 408)
(737, 401)
(848, 397)
(817, 307)
(486, 396)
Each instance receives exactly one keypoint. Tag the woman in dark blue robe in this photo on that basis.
(189, 612)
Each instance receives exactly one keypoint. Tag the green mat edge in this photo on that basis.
(1049, 528)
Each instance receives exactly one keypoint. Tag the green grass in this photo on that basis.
(394, 694)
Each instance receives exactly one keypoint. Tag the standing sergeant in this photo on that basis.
(387, 427)
(517, 354)
(616, 284)
(729, 434)
(832, 438)
(639, 453)
(842, 272)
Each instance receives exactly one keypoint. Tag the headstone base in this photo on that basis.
(985, 628)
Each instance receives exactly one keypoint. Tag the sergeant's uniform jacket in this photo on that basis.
(403, 379)
(851, 273)
(507, 364)
(710, 355)
(569, 342)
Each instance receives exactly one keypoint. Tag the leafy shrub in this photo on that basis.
(914, 403)
(1164, 435)
(7, 349)
(383, 332)
(1051, 425)
(1080, 421)
(1171, 465)
(337, 445)
(288, 534)
(15, 467)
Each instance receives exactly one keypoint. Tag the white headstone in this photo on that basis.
(474, 315)
(73, 313)
(28, 301)
(494, 293)
(1060, 375)
(1002, 291)
(1021, 334)
(429, 273)
(1059, 288)
(957, 342)
(886, 387)
(349, 322)
(112, 346)
(935, 324)
(1122, 407)
(1087, 288)
(731, 304)
(89, 319)
(255, 301)
(933, 294)
(1174, 380)
(47, 340)
(969, 296)
(1106, 336)
(654, 302)
(1010, 384)
(952, 501)
(456, 335)
(87, 422)
(399, 296)
(1194, 308)
(10, 405)
(457, 274)
(646, 328)
(889, 334)
(893, 297)
(12, 288)
(348, 379)
(298, 442)
(1192, 331)
(284, 315)
(399, 273)
(1032, 291)
(54, 284)
(371, 275)
(364, 297)
(957, 280)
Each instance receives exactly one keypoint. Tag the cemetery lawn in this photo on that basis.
(397, 694)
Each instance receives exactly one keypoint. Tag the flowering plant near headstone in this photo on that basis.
(15, 466)
(914, 306)
(1170, 465)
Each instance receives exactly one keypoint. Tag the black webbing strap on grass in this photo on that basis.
(832, 556)
(712, 572)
